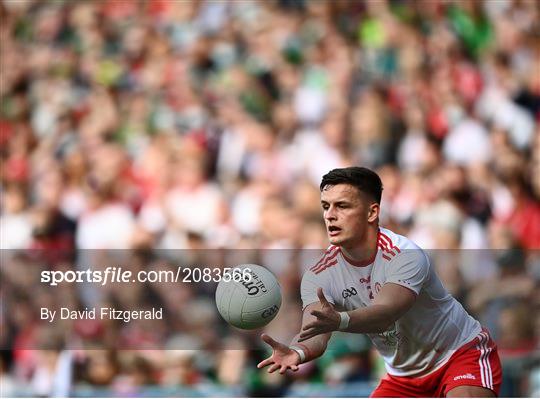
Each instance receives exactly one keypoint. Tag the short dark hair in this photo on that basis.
(364, 179)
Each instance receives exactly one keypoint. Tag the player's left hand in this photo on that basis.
(327, 319)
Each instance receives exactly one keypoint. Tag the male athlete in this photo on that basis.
(379, 283)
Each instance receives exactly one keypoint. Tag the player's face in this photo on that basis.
(347, 215)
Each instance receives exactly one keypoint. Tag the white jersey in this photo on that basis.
(425, 337)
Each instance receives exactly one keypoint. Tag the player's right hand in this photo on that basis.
(282, 358)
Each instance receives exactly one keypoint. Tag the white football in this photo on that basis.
(250, 299)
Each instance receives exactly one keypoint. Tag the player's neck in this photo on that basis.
(365, 252)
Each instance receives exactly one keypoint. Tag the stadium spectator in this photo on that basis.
(159, 125)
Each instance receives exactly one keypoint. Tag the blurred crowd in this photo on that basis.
(153, 126)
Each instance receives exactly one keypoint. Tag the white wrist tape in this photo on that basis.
(300, 352)
(344, 320)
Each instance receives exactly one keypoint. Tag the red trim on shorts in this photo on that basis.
(476, 363)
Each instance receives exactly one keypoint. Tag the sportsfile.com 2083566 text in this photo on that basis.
(113, 274)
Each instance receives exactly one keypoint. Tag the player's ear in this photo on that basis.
(373, 212)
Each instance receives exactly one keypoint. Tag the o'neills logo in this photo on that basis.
(467, 376)
(254, 285)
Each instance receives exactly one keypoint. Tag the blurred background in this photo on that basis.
(153, 126)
